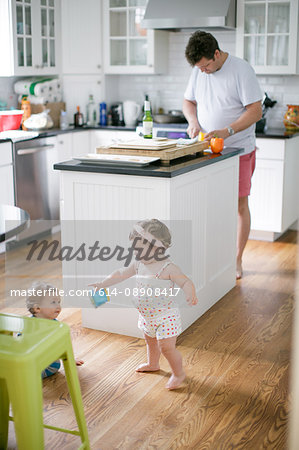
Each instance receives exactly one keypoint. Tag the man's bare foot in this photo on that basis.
(239, 271)
(147, 368)
(175, 382)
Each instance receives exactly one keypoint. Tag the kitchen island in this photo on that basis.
(197, 197)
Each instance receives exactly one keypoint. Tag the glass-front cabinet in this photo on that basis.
(129, 47)
(267, 35)
(32, 32)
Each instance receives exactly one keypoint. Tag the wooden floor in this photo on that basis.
(237, 357)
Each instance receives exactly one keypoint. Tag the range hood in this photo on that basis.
(186, 15)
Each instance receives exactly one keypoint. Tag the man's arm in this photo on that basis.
(190, 112)
(252, 114)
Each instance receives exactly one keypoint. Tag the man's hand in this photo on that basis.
(193, 129)
(223, 133)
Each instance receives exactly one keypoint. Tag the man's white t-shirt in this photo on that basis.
(222, 96)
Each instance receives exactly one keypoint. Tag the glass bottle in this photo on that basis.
(78, 118)
(147, 121)
(26, 107)
(91, 119)
(63, 120)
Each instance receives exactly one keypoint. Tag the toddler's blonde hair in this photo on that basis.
(158, 229)
(35, 299)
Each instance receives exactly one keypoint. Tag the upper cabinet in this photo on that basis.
(130, 49)
(267, 35)
(30, 30)
(81, 37)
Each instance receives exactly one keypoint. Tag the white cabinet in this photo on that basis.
(6, 175)
(30, 30)
(80, 143)
(273, 201)
(128, 47)
(64, 146)
(267, 35)
(81, 37)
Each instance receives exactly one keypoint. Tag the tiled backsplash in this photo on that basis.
(167, 90)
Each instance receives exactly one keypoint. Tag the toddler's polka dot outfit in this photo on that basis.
(159, 315)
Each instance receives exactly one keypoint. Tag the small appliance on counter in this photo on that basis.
(267, 103)
(117, 115)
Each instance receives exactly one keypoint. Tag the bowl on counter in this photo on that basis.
(10, 120)
(173, 116)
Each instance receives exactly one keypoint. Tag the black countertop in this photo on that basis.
(179, 167)
(277, 133)
(270, 133)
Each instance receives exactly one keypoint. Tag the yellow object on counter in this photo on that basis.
(201, 136)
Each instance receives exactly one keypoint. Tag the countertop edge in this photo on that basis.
(152, 170)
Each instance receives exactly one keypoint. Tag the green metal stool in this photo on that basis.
(27, 346)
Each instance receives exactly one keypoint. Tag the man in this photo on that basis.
(223, 98)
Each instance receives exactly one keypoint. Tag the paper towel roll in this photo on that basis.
(23, 86)
(41, 89)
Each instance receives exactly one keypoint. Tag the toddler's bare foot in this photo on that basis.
(147, 368)
(175, 382)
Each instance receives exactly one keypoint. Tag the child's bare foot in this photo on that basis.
(175, 382)
(147, 368)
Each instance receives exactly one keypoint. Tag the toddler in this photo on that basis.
(159, 316)
(46, 306)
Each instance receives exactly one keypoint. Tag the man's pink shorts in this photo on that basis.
(246, 169)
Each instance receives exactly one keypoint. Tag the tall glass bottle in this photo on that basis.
(147, 121)
(91, 119)
(78, 118)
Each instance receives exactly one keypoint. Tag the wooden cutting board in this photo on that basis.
(146, 144)
(166, 155)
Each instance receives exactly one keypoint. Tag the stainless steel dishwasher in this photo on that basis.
(36, 183)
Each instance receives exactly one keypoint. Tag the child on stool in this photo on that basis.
(44, 304)
(159, 316)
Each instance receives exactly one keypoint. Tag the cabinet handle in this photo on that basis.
(37, 66)
(99, 66)
(31, 150)
(99, 82)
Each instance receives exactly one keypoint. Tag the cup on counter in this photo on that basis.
(131, 112)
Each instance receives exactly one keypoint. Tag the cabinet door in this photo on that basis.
(6, 185)
(47, 39)
(36, 34)
(76, 92)
(267, 35)
(64, 146)
(81, 36)
(129, 48)
(80, 143)
(266, 198)
(22, 37)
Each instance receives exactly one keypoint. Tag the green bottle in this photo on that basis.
(147, 121)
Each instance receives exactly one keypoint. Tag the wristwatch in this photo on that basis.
(231, 131)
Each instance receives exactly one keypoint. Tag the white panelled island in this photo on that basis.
(197, 197)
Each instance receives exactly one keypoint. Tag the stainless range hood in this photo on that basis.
(186, 15)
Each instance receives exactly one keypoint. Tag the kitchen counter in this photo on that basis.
(56, 131)
(181, 166)
(277, 133)
(197, 198)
